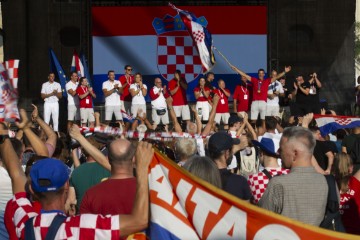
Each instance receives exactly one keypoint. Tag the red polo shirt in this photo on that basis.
(263, 85)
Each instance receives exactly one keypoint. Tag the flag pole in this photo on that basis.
(222, 56)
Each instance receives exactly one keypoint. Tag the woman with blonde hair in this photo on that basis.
(349, 186)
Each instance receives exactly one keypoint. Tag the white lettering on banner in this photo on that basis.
(182, 191)
(271, 232)
(169, 221)
(161, 185)
(231, 226)
(205, 203)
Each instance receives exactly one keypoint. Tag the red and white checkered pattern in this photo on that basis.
(258, 182)
(178, 52)
(12, 67)
(198, 36)
(85, 226)
(342, 121)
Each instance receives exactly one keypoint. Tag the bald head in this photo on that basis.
(121, 152)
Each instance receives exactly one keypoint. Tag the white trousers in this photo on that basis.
(52, 109)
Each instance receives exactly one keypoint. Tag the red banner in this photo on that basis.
(186, 207)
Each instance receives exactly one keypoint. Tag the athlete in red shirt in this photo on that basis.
(126, 80)
(177, 87)
(260, 88)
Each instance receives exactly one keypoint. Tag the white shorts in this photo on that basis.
(224, 117)
(109, 110)
(87, 114)
(272, 110)
(125, 106)
(182, 111)
(156, 118)
(256, 108)
(203, 110)
(73, 113)
(135, 108)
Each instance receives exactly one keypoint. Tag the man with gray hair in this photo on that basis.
(184, 149)
(290, 195)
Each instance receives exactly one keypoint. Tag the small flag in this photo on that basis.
(84, 62)
(56, 68)
(329, 123)
(9, 94)
(201, 37)
(127, 117)
(77, 65)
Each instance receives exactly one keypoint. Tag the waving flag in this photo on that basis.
(56, 68)
(8, 90)
(77, 65)
(201, 37)
(329, 123)
(84, 62)
(186, 207)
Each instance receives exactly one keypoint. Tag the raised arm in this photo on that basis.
(208, 126)
(197, 119)
(12, 164)
(317, 81)
(240, 72)
(49, 132)
(139, 217)
(280, 75)
(36, 143)
(172, 114)
(93, 151)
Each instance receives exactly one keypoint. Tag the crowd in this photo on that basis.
(56, 185)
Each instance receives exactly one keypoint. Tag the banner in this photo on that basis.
(126, 35)
(186, 207)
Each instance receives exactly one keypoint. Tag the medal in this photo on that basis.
(259, 86)
(259, 91)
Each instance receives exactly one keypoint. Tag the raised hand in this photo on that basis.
(144, 154)
(24, 119)
(35, 112)
(74, 132)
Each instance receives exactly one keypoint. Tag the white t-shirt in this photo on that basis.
(48, 88)
(138, 98)
(114, 98)
(5, 188)
(160, 102)
(274, 87)
(72, 100)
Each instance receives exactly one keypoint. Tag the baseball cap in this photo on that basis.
(267, 145)
(48, 175)
(234, 119)
(221, 141)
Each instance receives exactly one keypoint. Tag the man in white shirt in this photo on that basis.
(112, 90)
(73, 99)
(51, 93)
(158, 103)
(275, 89)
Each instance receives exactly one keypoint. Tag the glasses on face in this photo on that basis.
(129, 69)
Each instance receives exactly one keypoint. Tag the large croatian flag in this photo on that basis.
(329, 124)
(128, 35)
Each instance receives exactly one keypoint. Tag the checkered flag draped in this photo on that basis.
(12, 67)
(345, 121)
(178, 52)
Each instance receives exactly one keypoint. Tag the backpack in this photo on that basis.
(52, 231)
(332, 219)
(355, 151)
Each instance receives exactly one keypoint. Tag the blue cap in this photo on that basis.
(48, 175)
(266, 145)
